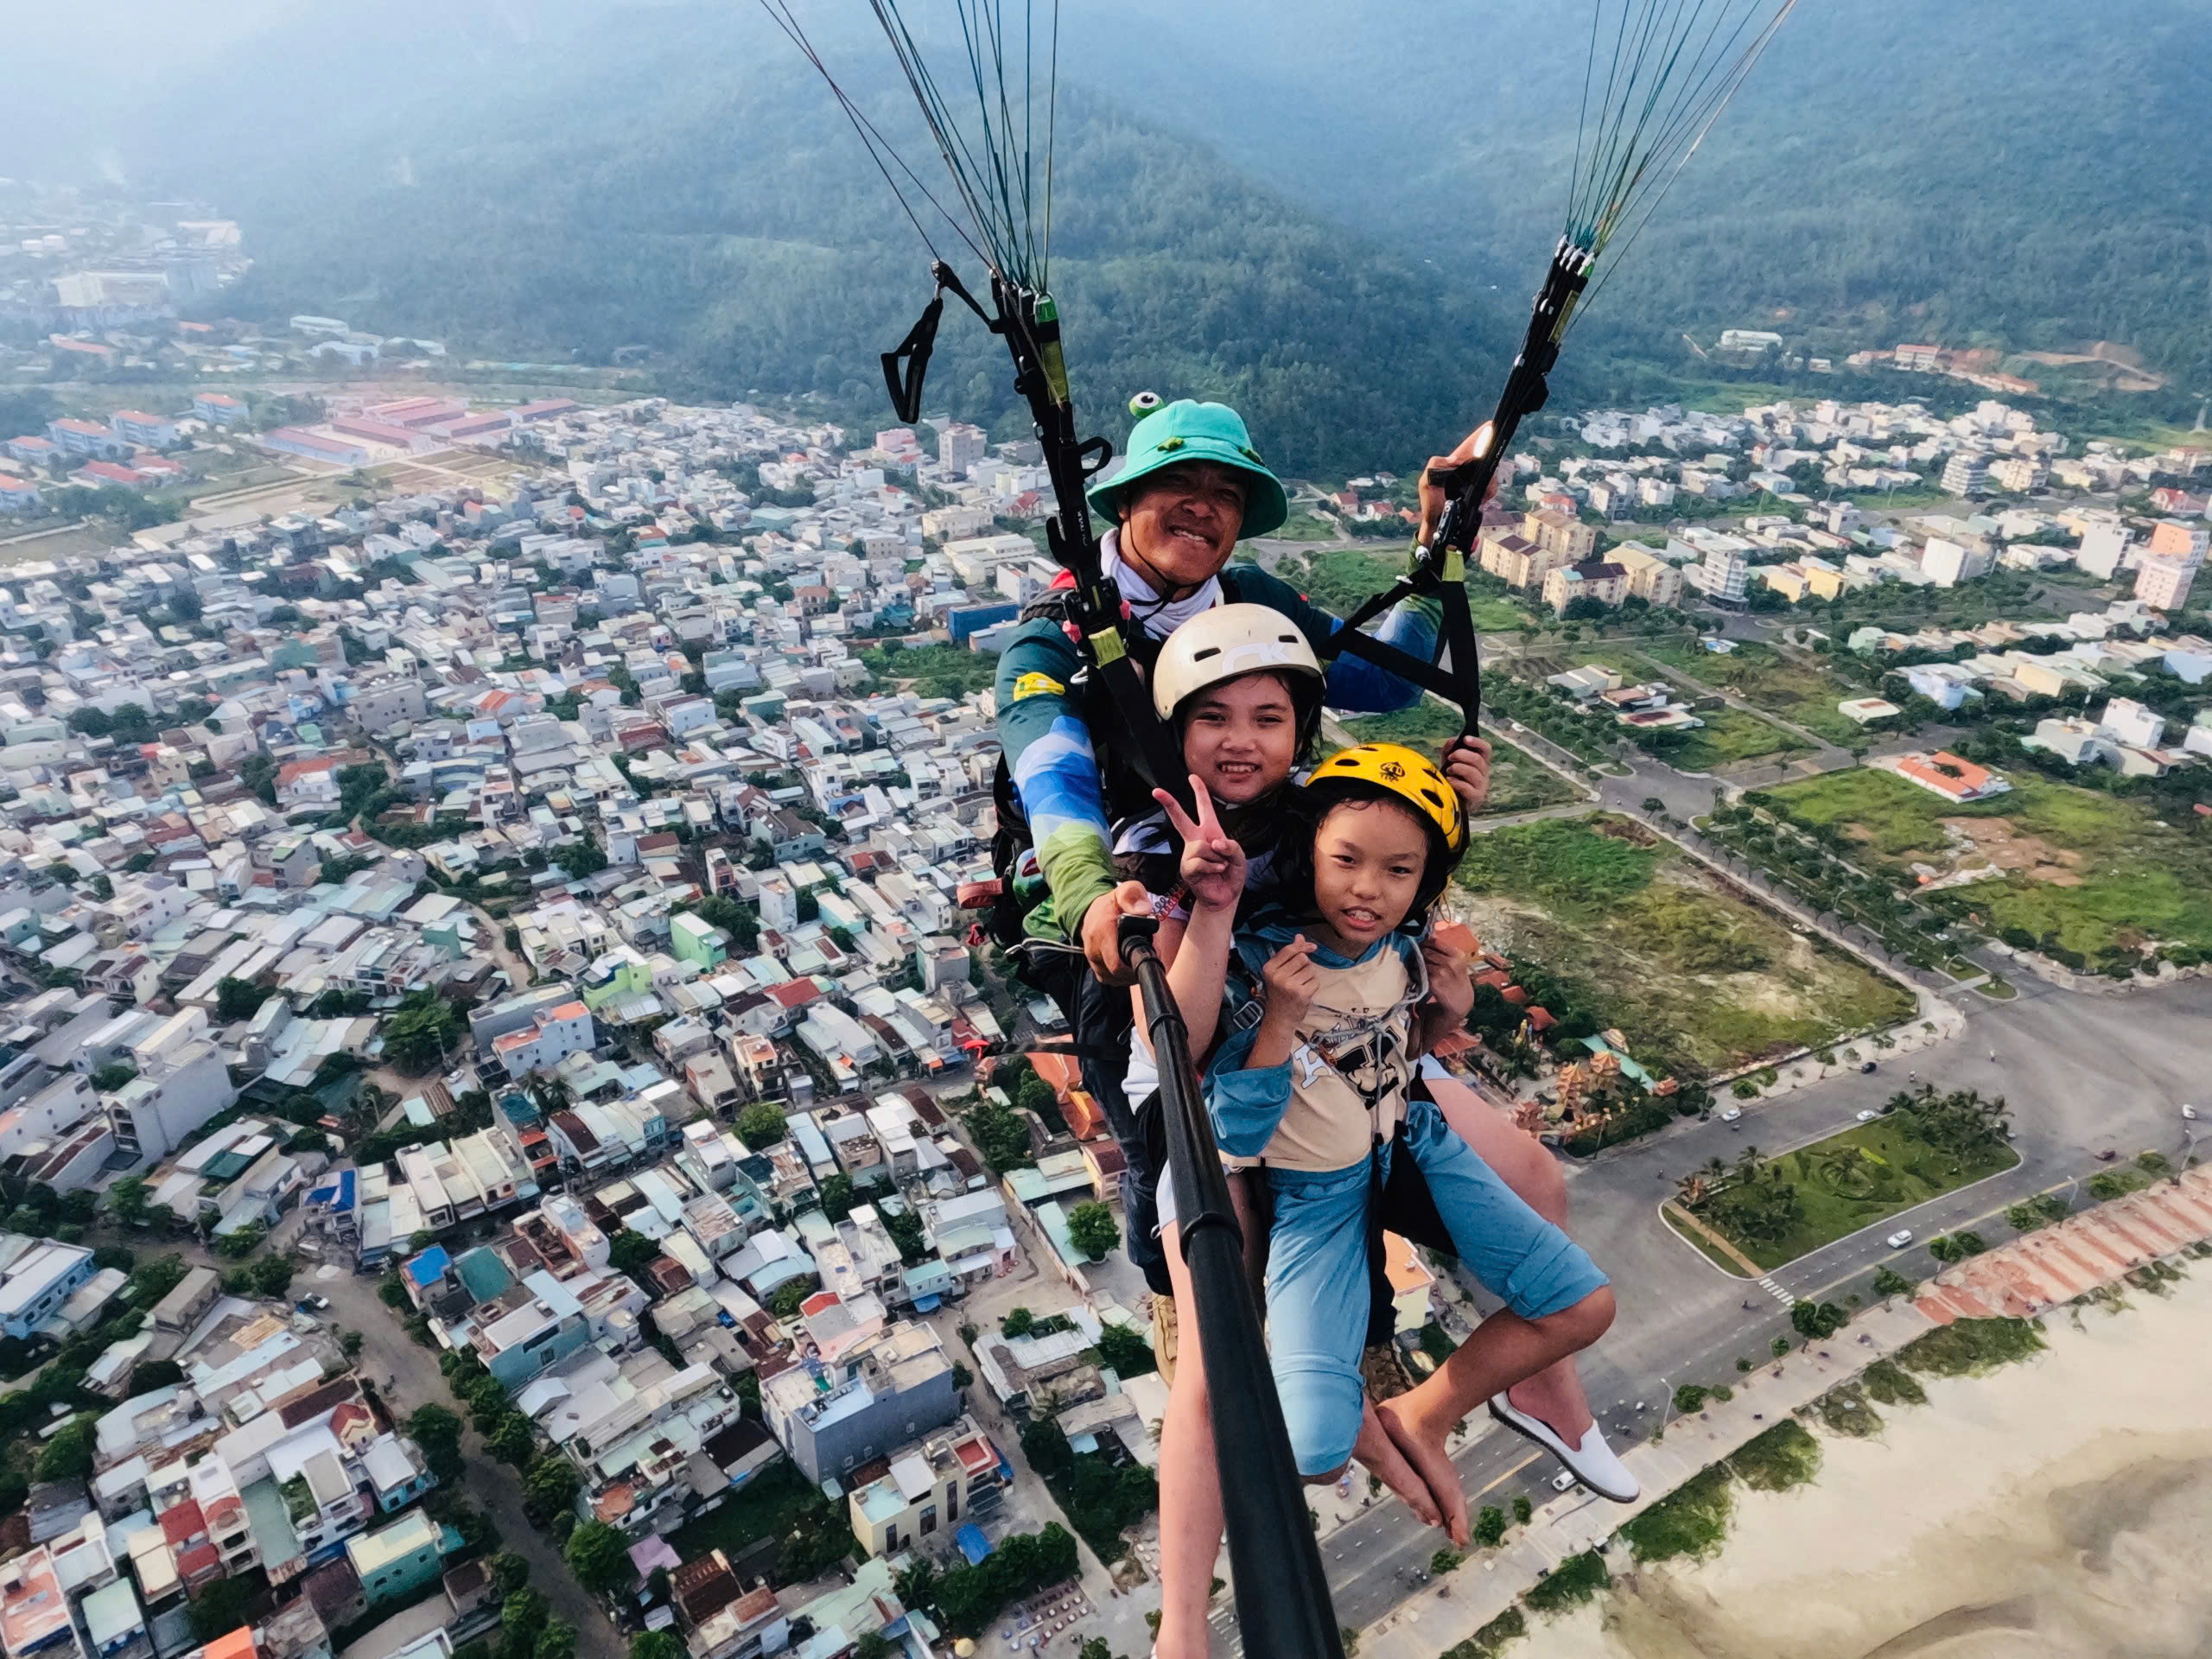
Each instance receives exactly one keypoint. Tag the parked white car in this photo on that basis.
(1900, 1239)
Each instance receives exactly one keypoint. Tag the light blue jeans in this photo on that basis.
(1318, 1294)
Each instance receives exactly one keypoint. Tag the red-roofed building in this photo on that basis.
(16, 494)
(75, 437)
(1947, 775)
(94, 474)
(147, 431)
(307, 783)
(218, 408)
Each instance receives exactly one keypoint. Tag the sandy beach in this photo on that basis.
(2060, 1508)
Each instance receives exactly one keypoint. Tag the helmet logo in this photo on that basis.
(1392, 770)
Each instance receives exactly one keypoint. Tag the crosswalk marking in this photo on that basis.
(1778, 1292)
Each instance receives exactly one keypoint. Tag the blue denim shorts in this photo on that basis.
(1317, 1290)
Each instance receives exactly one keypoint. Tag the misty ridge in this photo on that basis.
(1332, 215)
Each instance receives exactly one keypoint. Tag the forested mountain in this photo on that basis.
(1331, 215)
(1975, 172)
(674, 177)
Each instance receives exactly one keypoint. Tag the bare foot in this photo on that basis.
(1378, 1454)
(1416, 1424)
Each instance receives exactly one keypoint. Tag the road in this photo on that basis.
(387, 1352)
(2082, 1074)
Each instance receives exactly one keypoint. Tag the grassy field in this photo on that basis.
(1304, 527)
(1616, 923)
(1855, 1180)
(1765, 678)
(1338, 579)
(1729, 736)
(1518, 784)
(2090, 872)
(777, 1497)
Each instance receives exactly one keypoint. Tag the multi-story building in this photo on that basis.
(1949, 562)
(887, 1390)
(218, 408)
(2164, 584)
(1966, 474)
(1651, 578)
(36, 1277)
(558, 1031)
(88, 439)
(398, 1560)
(925, 1490)
(141, 431)
(1593, 578)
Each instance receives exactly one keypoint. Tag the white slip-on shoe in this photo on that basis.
(1592, 1463)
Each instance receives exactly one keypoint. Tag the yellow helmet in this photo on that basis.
(1412, 778)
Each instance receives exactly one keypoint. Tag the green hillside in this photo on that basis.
(1979, 171)
(694, 191)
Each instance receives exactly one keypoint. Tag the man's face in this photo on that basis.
(1181, 523)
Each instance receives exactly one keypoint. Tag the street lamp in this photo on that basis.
(1665, 1403)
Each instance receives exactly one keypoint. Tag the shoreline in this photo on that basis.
(2061, 1504)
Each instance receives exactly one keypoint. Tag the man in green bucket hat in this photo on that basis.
(1189, 488)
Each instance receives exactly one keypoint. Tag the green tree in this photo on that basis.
(238, 999)
(271, 1275)
(905, 1231)
(219, 1609)
(1816, 1321)
(761, 1125)
(418, 1033)
(657, 1644)
(437, 1431)
(1124, 1351)
(1490, 1527)
(837, 1197)
(556, 1641)
(126, 1200)
(631, 1253)
(68, 1455)
(785, 1300)
(600, 1557)
(1000, 1135)
(107, 1079)
(1017, 1322)
(548, 1487)
(1888, 1282)
(580, 859)
(510, 1573)
(522, 1618)
(1092, 1230)
(512, 1440)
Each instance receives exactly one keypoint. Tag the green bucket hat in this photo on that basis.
(1187, 430)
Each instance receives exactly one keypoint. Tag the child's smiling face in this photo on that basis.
(1241, 738)
(1369, 857)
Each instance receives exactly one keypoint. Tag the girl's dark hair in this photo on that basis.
(1305, 693)
(1308, 807)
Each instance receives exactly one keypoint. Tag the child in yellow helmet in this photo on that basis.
(1325, 1001)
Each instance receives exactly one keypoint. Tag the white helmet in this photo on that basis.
(1225, 643)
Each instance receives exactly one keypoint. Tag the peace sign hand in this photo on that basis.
(1213, 865)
